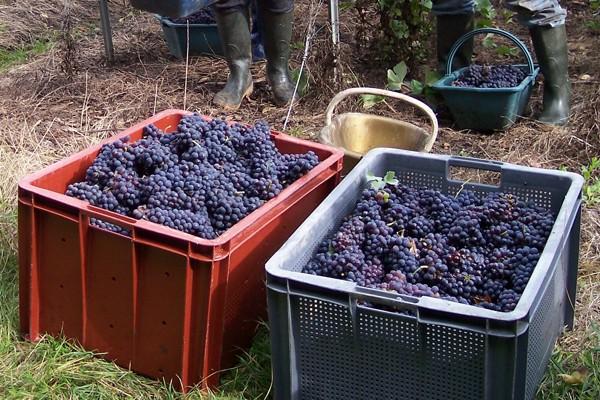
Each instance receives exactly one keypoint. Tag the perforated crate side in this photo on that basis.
(546, 324)
(341, 353)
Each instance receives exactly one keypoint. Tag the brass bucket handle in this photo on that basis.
(387, 93)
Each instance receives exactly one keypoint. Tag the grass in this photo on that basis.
(58, 369)
(591, 189)
(10, 58)
(574, 376)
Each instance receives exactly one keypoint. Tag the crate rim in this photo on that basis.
(521, 313)
(168, 22)
(26, 183)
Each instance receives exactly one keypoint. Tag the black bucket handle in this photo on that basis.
(457, 45)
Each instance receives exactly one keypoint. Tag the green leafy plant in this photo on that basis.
(507, 16)
(396, 75)
(371, 100)
(486, 13)
(502, 50)
(591, 187)
(405, 27)
(507, 51)
(395, 80)
(425, 88)
(593, 25)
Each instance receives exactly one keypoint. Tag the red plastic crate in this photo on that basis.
(162, 302)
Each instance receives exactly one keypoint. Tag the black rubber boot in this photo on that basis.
(550, 46)
(449, 29)
(234, 29)
(277, 34)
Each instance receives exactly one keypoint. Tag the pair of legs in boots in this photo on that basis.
(546, 22)
(234, 28)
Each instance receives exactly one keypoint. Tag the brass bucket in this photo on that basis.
(357, 133)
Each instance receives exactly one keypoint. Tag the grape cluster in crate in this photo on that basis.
(477, 250)
(201, 179)
(490, 76)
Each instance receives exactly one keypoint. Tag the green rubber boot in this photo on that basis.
(234, 29)
(550, 46)
(449, 29)
(277, 33)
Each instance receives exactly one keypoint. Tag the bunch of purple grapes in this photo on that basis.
(202, 179)
(203, 16)
(490, 76)
(476, 250)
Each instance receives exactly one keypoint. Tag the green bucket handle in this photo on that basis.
(495, 31)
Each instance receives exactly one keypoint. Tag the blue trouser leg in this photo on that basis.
(531, 13)
(258, 51)
(452, 7)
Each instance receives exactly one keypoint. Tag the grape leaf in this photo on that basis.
(370, 100)
(488, 41)
(416, 86)
(371, 177)
(427, 4)
(431, 77)
(396, 76)
(504, 50)
(389, 178)
(377, 184)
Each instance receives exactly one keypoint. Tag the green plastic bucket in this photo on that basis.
(486, 109)
(204, 38)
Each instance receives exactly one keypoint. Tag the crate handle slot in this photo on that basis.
(51, 206)
(475, 164)
(457, 45)
(336, 297)
(377, 294)
(108, 216)
(452, 322)
(386, 93)
(390, 299)
(408, 315)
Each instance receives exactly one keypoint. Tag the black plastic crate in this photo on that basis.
(326, 345)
